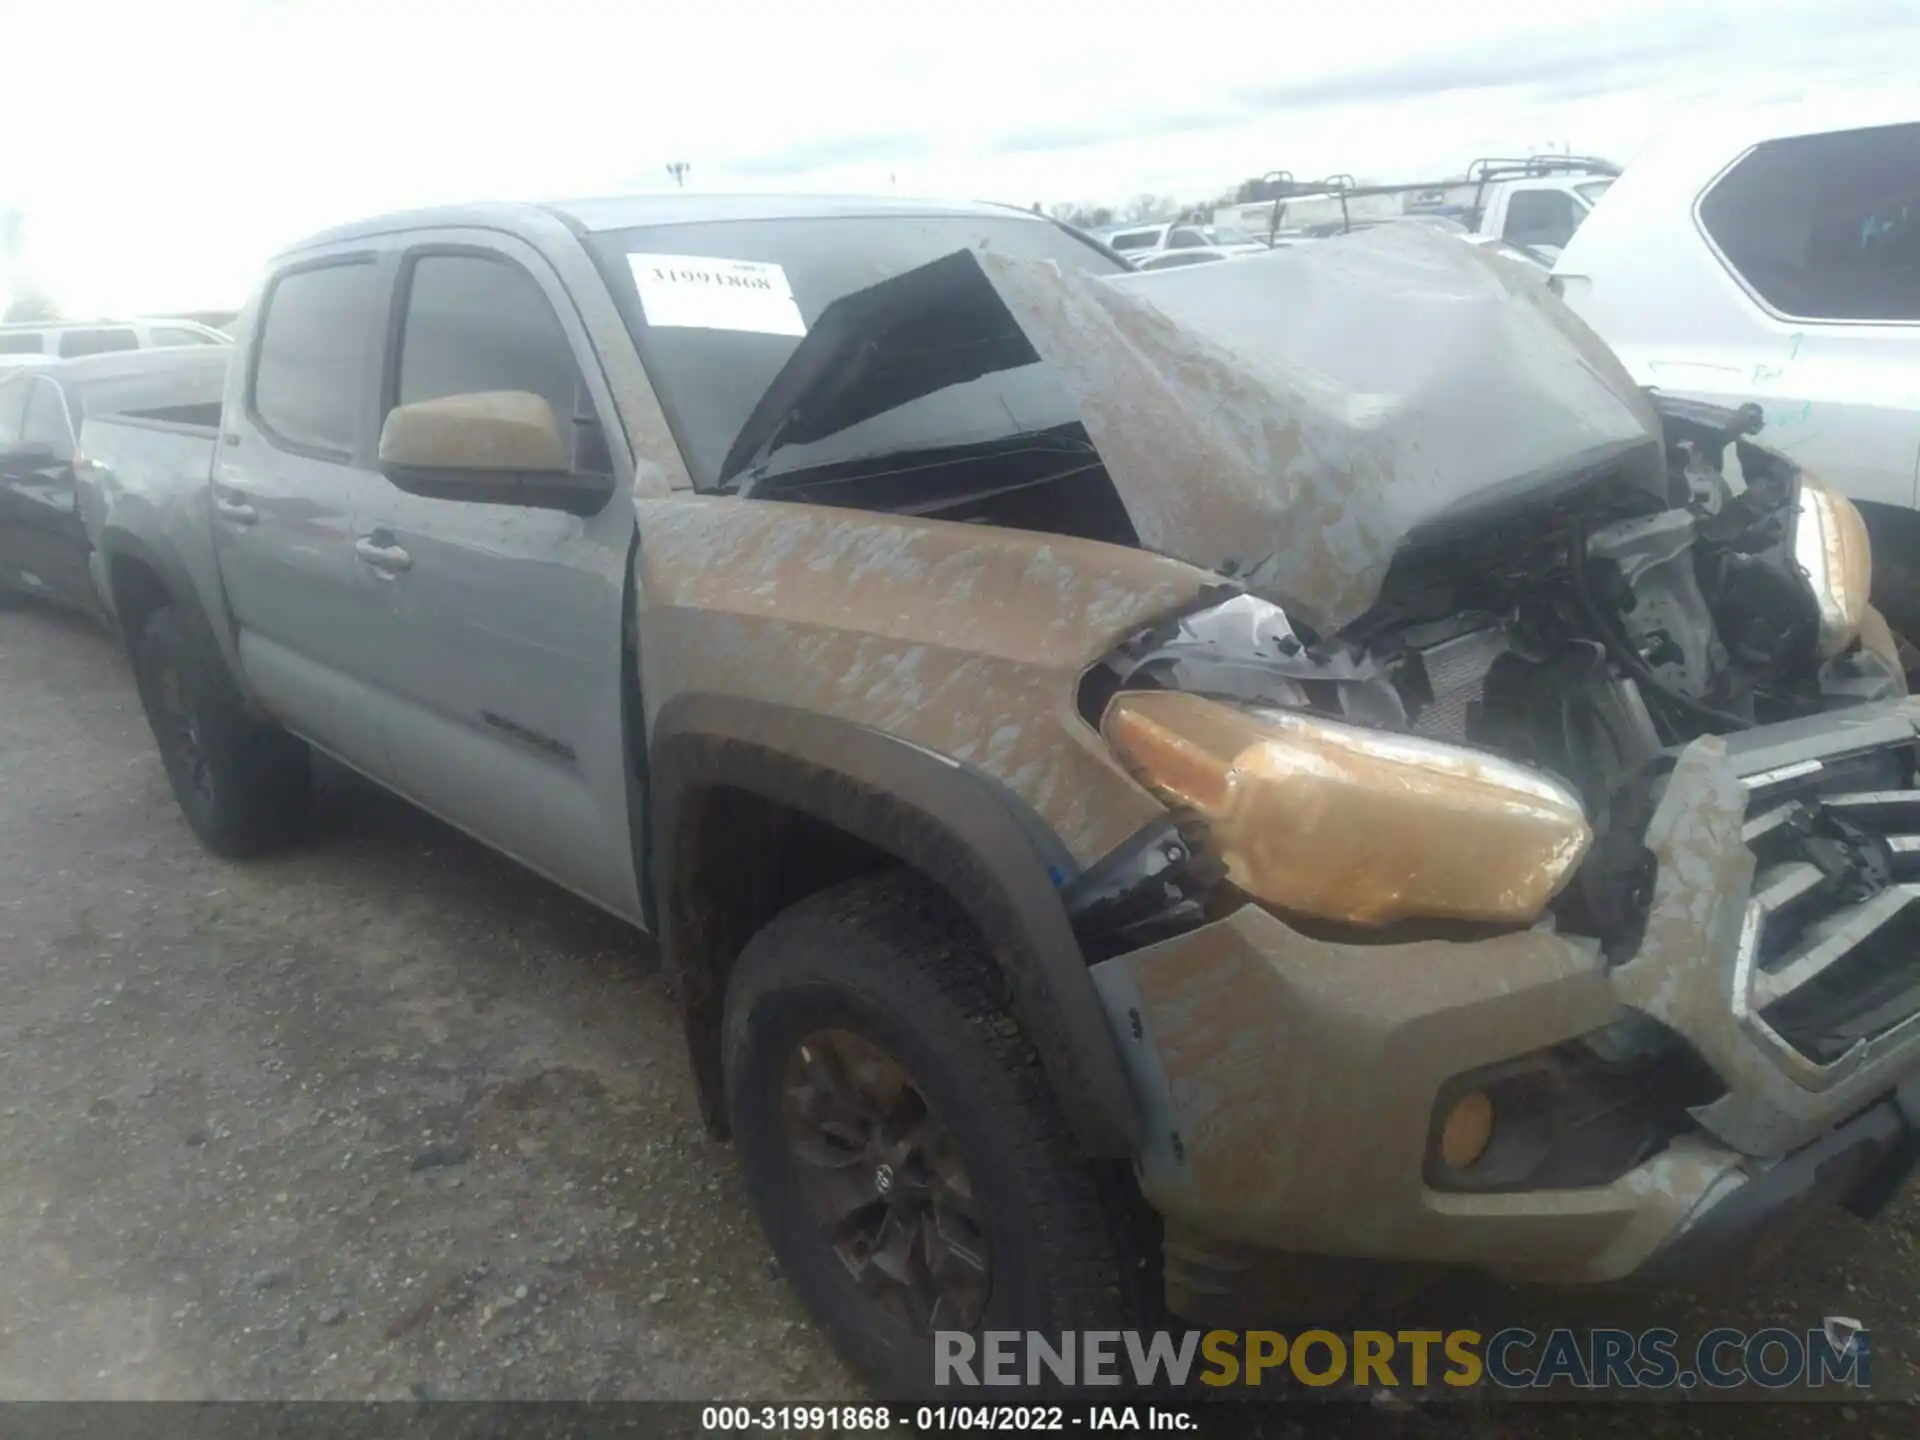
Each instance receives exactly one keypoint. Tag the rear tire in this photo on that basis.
(245, 786)
(884, 975)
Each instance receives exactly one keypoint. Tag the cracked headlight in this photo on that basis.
(1830, 543)
(1350, 824)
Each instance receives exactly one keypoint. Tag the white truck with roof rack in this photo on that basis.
(1537, 202)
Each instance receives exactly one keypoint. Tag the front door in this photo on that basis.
(502, 668)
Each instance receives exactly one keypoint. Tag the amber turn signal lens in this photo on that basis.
(1467, 1131)
(1830, 543)
(1343, 823)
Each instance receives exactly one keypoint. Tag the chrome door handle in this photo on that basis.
(388, 558)
(237, 511)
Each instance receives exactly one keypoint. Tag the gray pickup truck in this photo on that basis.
(1149, 795)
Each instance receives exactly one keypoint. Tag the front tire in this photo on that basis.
(245, 786)
(1896, 582)
(901, 1144)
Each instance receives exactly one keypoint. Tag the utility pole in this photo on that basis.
(678, 170)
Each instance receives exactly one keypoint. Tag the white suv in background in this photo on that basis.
(66, 340)
(1774, 257)
(1138, 241)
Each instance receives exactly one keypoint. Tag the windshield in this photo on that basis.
(709, 379)
(1228, 235)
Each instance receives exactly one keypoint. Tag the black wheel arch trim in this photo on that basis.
(181, 592)
(959, 826)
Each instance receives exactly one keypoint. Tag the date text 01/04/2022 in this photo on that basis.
(847, 1418)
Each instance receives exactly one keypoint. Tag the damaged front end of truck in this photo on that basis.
(1536, 883)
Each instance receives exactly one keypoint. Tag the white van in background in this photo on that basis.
(1774, 257)
(71, 339)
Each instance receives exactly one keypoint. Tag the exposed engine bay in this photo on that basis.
(1477, 586)
(1586, 639)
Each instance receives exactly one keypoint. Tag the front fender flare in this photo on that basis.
(952, 822)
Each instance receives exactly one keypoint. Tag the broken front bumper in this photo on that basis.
(1288, 1083)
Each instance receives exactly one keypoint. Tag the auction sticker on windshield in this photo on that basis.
(701, 293)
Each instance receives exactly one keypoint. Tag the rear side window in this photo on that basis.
(1177, 261)
(1540, 217)
(96, 342)
(1825, 227)
(174, 335)
(475, 324)
(23, 342)
(1133, 240)
(310, 368)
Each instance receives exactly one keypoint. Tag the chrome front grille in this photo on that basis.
(1830, 942)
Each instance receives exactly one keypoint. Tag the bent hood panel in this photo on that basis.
(1289, 420)
(1292, 419)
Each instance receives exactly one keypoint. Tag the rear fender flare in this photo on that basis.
(182, 594)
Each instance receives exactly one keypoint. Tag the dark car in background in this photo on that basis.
(44, 492)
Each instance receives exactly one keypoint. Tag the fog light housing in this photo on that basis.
(1467, 1130)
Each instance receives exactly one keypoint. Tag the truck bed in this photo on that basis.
(149, 474)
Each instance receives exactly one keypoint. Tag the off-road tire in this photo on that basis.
(1896, 595)
(245, 786)
(891, 959)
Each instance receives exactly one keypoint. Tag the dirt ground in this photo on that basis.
(388, 1117)
(384, 1117)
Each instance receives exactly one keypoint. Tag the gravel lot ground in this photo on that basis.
(388, 1117)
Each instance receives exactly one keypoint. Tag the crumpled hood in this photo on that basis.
(1291, 420)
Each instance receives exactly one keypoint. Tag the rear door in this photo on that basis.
(501, 668)
(1821, 236)
(291, 476)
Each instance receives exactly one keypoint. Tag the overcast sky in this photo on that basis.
(160, 150)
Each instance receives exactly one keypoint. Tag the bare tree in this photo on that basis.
(29, 302)
(678, 170)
